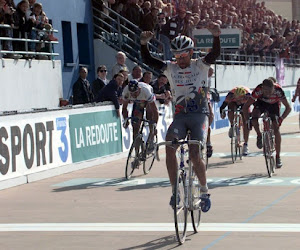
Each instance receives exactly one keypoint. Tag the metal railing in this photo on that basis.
(123, 35)
(28, 54)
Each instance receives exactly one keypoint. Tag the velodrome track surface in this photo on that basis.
(96, 208)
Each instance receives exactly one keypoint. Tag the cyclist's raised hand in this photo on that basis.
(214, 28)
(145, 37)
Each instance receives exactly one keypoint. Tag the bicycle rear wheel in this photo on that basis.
(233, 144)
(150, 154)
(195, 209)
(180, 209)
(134, 156)
(268, 153)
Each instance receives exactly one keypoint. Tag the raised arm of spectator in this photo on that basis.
(146, 36)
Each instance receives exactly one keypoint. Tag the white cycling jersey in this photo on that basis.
(189, 86)
(146, 94)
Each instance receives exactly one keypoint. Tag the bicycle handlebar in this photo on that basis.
(177, 142)
(136, 119)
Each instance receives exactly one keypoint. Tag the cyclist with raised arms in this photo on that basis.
(236, 98)
(268, 96)
(142, 96)
(188, 79)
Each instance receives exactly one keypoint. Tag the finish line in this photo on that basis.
(147, 227)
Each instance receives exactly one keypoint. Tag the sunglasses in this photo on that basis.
(103, 70)
(181, 55)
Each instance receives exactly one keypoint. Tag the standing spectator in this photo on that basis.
(112, 92)
(150, 20)
(121, 59)
(82, 92)
(162, 90)
(101, 80)
(147, 77)
(171, 29)
(22, 24)
(134, 12)
(297, 92)
(146, 7)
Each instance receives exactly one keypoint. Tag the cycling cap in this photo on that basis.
(239, 91)
(133, 85)
(181, 43)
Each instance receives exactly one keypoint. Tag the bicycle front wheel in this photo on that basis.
(268, 153)
(180, 209)
(195, 209)
(150, 154)
(233, 145)
(134, 155)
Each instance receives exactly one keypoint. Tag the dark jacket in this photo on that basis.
(110, 92)
(82, 92)
(97, 85)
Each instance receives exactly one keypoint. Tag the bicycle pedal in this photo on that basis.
(205, 203)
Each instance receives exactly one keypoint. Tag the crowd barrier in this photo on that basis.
(39, 145)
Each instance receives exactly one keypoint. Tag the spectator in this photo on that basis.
(125, 73)
(146, 7)
(112, 92)
(162, 90)
(136, 73)
(101, 80)
(82, 92)
(22, 24)
(171, 29)
(150, 20)
(147, 77)
(121, 59)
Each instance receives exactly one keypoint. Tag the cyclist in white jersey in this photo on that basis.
(188, 79)
(142, 96)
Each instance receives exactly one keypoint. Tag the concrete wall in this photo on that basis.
(24, 86)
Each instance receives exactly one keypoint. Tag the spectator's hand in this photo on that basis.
(214, 28)
(145, 37)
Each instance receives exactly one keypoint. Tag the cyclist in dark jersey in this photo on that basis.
(188, 80)
(267, 97)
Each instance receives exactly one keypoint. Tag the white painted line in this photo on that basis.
(148, 227)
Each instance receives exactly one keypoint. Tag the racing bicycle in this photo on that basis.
(237, 135)
(268, 142)
(187, 189)
(141, 151)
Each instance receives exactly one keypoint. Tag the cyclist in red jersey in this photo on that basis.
(237, 97)
(297, 91)
(267, 97)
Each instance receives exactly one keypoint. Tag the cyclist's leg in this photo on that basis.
(231, 106)
(198, 125)
(256, 112)
(245, 128)
(274, 110)
(152, 129)
(138, 112)
(176, 130)
(208, 141)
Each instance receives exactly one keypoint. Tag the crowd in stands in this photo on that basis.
(27, 19)
(264, 33)
(103, 89)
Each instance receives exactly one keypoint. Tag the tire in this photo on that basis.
(195, 195)
(180, 209)
(134, 156)
(268, 153)
(149, 157)
(241, 139)
(233, 145)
